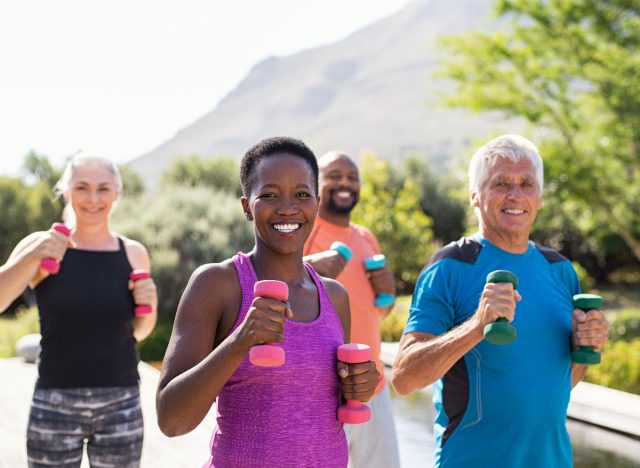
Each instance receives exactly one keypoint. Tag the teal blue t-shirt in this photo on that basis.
(501, 406)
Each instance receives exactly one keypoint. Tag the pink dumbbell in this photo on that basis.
(269, 355)
(354, 412)
(141, 309)
(51, 265)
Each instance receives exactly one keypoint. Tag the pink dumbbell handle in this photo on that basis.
(354, 411)
(269, 354)
(141, 309)
(51, 265)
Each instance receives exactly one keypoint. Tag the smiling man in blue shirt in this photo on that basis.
(498, 405)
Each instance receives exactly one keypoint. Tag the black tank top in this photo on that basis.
(86, 313)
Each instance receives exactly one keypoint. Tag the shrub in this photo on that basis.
(12, 328)
(620, 367)
(392, 326)
(625, 326)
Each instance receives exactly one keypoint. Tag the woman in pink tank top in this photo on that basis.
(266, 416)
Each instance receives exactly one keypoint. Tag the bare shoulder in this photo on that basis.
(337, 292)
(136, 253)
(213, 287)
(340, 300)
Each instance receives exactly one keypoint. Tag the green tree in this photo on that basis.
(132, 184)
(183, 229)
(570, 68)
(441, 199)
(390, 207)
(193, 171)
(39, 167)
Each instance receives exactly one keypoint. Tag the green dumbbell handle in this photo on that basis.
(500, 332)
(586, 354)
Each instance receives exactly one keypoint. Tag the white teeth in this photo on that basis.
(286, 227)
(343, 194)
(514, 212)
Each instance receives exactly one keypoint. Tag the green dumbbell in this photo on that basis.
(500, 332)
(586, 354)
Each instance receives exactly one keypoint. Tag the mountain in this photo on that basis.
(372, 91)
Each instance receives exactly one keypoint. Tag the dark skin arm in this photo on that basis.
(328, 263)
(202, 355)
(357, 381)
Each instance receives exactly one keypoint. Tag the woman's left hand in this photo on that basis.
(358, 381)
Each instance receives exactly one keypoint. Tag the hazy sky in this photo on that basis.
(119, 77)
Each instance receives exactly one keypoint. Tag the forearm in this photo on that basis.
(578, 371)
(143, 325)
(421, 361)
(199, 386)
(15, 276)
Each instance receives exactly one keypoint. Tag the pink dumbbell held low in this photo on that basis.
(269, 355)
(51, 265)
(141, 309)
(354, 411)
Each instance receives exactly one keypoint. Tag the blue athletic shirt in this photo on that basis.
(501, 405)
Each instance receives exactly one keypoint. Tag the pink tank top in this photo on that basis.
(284, 416)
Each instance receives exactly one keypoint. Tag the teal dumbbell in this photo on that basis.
(500, 332)
(586, 354)
(373, 263)
(343, 249)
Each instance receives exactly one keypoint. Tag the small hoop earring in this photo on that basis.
(248, 216)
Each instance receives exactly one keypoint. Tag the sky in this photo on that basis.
(119, 77)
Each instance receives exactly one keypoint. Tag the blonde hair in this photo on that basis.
(82, 159)
(510, 146)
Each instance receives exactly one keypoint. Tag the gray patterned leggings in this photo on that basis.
(108, 419)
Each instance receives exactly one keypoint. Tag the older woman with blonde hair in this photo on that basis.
(87, 387)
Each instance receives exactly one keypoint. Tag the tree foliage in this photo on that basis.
(390, 206)
(220, 174)
(570, 68)
(442, 198)
(183, 229)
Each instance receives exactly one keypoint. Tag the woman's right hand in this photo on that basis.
(264, 322)
(50, 244)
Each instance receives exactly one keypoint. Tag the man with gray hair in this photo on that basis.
(498, 405)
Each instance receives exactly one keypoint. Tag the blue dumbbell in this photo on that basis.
(373, 263)
(343, 249)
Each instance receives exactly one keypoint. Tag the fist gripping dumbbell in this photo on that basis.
(51, 265)
(500, 332)
(373, 263)
(586, 354)
(269, 354)
(343, 249)
(354, 411)
(141, 309)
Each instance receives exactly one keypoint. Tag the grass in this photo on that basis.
(12, 328)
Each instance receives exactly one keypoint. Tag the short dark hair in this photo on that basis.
(269, 147)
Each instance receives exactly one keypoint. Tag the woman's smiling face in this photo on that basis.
(283, 202)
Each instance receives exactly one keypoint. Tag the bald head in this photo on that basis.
(332, 156)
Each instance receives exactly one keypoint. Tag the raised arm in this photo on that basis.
(144, 290)
(22, 269)
(423, 357)
(203, 354)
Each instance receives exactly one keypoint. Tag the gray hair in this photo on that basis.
(82, 159)
(511, 146)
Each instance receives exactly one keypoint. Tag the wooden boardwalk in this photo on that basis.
(17, 380)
